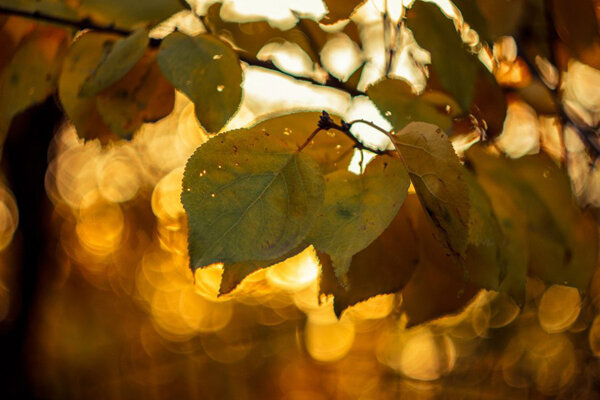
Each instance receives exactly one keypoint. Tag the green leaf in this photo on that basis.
(331, 150)
(357, 209)
(83, 57)
(383, 267)
(207, 71)
(121, 58)
(142, 95)
(248, 197)
(437, 176)
(451, 61)
(130, 13)
(396, 101)
(31, 74)
(534, 195)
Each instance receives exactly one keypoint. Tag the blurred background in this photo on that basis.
(97, 300)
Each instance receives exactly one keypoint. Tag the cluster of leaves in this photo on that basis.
(257, 196)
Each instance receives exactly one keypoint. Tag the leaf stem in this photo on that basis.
(326, 122)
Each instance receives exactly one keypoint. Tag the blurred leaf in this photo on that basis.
(357, 209)
(472, 15)
(399, 104)
(84, 55)
(383, 267)
(207, 71)
(331, 150)
(252, 36)
(340, 9)
(142, 95)
(121, 58)
(249, 197)
(576, 23)
(31, 74)
(55, 8)
(455, 67)
(562, 240)
(504, 17)
(130, 13)
(489, 102)
(437, 176)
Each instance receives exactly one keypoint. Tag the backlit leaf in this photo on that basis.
(121, 58)
(577, 25)
(142, 95)
(357, 209)
(396, 101)
(331, 150)
(31, 74)
(383, 267)
(562, 240)
(249, 197)
(207, 71)
(454, 66)
(437, 176)
(83, 57)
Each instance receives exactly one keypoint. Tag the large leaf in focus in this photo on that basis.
(577, 25)
(437, 176)
(83, 57)
(562, 240)
(207, 71)
(121, 58)
(142, 95)
(384, 267)
(395, 100)
(331, 150)
(451, 61)
(129, 13)
(248, 197)
(357, 209)
(31, 74)
(340, 9)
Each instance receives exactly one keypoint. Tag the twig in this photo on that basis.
(85, 23)
(326, 122)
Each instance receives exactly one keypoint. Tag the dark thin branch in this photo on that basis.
(326, 122)
(311, 137)
(85, 23)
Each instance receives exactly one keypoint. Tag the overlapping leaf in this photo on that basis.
(142, 95)
(116, 107)
(453, 65)
(400, 105)
(121, 58)
(357, 209)
(437, 176)
(383, 267)
(25, 82)
(340, 9)
(249, 197)
(207, 71)
(533, 195)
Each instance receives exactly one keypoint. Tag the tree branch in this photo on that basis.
(326, 122)
(85, 23)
